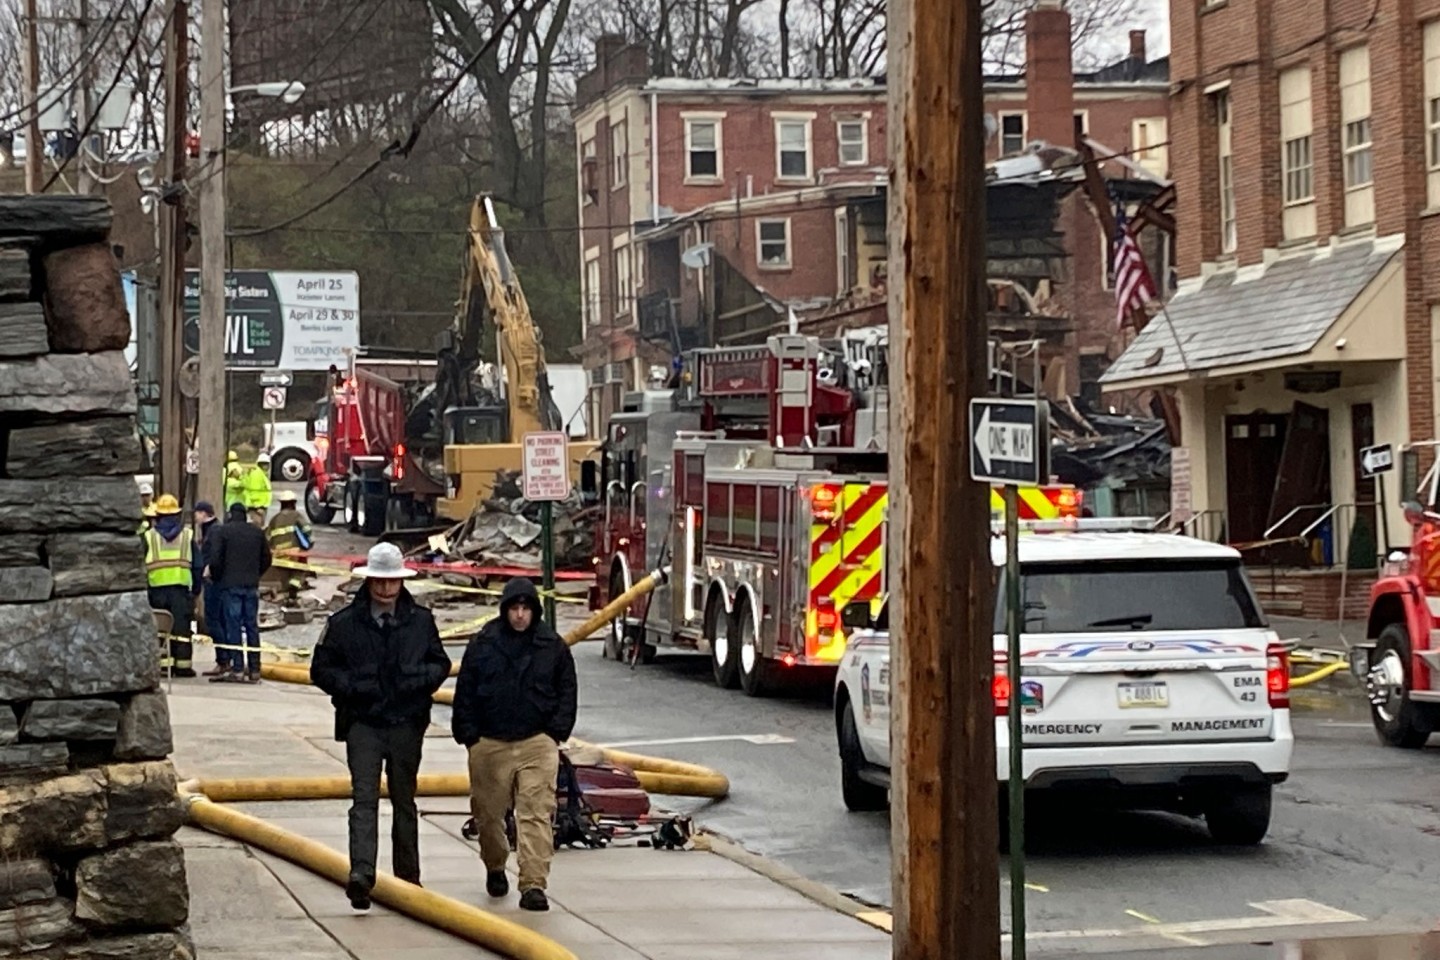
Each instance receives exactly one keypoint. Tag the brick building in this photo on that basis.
(709, 209)
(1306, 155)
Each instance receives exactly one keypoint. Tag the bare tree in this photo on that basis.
(686, 38)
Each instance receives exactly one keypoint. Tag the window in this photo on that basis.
(1082, 124)
(842, 253)
(1355, 140)
(1297, 166)
(620, 154)
(1012, 133)
(624, 296)
(1134, 596)
(1227, 181)
(1432, 112)
(792, 149)
(702, 149)
(854, 145)
(588, 187)
(773, 242)
(592, 287)
(1147, 141)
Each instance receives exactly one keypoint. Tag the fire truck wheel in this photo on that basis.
(858, 795)
(757, 673)
(318, 511)
(724, 658)
(1398, 720)
(371, 513)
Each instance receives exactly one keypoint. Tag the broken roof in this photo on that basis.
(1254, 314)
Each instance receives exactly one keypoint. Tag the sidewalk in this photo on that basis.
(616, 904)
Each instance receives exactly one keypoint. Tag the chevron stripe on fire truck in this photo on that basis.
(847, 554)
(1036, 503)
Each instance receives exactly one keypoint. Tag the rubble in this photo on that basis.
(505, 531)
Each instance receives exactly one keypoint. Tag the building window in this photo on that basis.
(842, 253)
(792, 149)
(1012, 133)
(773, 243)
(1147, 141)
(620, 153)
(1082, 124)
(1432, 112)
(1227, 181)
(1355, 136)
(588, 174)
(702, 149)
(623, 294)
(854, 145)
(592, 288)
(1297, 165)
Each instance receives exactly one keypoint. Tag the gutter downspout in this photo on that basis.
(654, 159)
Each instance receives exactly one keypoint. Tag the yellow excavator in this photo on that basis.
(485, 412)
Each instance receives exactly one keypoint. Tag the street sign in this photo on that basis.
(192, 461)
(1010, 441)
(1377, 460)
(273, 398)
(277, 378)
(547, 466)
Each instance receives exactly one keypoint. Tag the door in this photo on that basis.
(1303, 480)
(1253, 445)
(1363, 541)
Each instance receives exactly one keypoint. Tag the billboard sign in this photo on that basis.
(285, 320)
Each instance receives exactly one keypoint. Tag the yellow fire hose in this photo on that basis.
(1320, 674)
(444, 913)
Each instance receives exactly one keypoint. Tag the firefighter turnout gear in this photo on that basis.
(169, 560)
(287, 529)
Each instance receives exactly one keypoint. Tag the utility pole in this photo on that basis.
(172, 253)
(87, 97)
(34, 147)
(211, 425)
(944, 819)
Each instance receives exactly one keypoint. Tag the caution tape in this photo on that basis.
(263, 646)
(423, 585)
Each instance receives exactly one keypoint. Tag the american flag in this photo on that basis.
(1134, 287)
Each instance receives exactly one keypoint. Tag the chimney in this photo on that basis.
(1049, 77)
(606, 46)
(1137, 45)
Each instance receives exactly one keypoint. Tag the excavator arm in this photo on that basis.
(491, 292)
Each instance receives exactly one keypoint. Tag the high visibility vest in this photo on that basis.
(167, 562)
(234, 487)
(256, 486)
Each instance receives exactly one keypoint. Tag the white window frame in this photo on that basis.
(587, 152)
(842, 252)
(1000, 130)
(592, 287)
(624, 289)
(619, 155)
(1297, 153)
(717, 121)
(1084, 117)
(863, 122)
(1153, 155)
(1224, 130)
(807, 122)
(1431, 107)
(760, 243)
(1357, 136)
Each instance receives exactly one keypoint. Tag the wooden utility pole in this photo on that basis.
(34, 146)
(87, 97)
(944, 827)
(172, 254)
(213, 89)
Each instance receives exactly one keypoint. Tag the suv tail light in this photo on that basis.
(1000, 688)
(1277, 675)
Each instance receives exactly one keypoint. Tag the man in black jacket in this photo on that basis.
(514, 705)
(238, 556)
(381, 661)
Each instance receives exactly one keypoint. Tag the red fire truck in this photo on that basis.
(761, 482)
(1399, 664)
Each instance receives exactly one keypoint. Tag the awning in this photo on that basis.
(1266, 316)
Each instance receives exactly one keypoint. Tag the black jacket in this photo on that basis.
(378, 677)
(515, 685)
(237, 552)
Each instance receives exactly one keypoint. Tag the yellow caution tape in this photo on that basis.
(424, 585)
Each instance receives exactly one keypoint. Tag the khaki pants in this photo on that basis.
(521, 772)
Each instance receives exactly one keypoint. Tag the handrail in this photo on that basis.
(608, 501)
(1270, 531)
(633, 500)
(1334, 508)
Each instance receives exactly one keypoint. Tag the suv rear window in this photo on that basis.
(1096, 596)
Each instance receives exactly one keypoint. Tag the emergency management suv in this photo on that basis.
(1149, 677)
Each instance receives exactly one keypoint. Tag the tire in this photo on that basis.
(724, 657)
(859, 796)
(1240, 817)
(352, 507)
(757, 674)
(1399, 721)
(614, 646)
(372, 513)
(290, 466)
(315, 508)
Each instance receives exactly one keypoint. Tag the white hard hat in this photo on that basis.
(384, 562)
(147, 489)
(263, 458)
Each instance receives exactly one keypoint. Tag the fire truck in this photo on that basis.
(761, 481)
(1399, 664)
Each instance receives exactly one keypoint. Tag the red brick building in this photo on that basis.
(1306, 155)
(709, 209)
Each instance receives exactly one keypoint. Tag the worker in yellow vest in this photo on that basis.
(234, 481)
(169, 562)
(257, 490)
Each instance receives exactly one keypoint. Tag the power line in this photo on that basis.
(83, 61)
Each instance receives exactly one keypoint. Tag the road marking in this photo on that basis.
(1141, 916)
(1273, 913)
(759, 739)
(1345, 723)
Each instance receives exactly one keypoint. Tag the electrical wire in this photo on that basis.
(397, 148)
(84, 61)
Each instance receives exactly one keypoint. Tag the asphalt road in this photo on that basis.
(1355, 837)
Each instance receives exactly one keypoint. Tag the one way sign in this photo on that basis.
(1010, 441)
(1377, 459)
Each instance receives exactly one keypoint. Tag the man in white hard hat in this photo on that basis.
(256, 484)
(381, 660)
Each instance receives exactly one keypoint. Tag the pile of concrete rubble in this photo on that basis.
(505, 531)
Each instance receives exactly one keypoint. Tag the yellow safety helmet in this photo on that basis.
(167, 504)
(231, 457)
(148, 510)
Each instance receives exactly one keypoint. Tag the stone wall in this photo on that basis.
(88, 806)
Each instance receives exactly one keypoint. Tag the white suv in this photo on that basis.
(1149, 675)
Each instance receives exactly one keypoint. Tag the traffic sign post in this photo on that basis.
(1010, 445)
(273, 398)
(277, 378)
(547, 479)
(1374, 461)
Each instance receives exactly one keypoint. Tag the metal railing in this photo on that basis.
(1205, 525)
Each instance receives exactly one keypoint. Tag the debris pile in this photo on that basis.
(505, 531)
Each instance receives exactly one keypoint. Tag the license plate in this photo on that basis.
(1154, 694)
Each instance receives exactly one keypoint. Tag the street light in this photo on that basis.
(210, 424)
